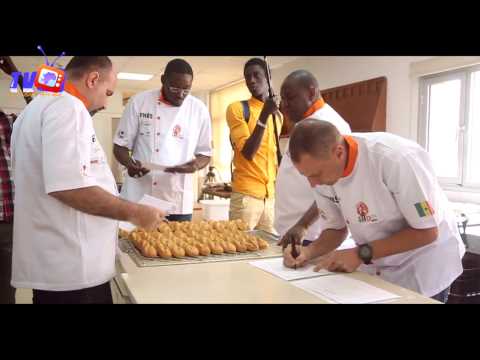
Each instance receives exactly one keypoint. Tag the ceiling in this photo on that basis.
(210, 72)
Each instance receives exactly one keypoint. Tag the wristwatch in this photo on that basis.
(365, 253)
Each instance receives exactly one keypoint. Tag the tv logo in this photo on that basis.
(47, 78)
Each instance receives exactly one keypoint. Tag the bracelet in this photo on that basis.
(261, 124)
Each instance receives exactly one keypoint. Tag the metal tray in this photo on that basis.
(273, 251)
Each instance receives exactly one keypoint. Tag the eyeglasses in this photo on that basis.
(175, 90)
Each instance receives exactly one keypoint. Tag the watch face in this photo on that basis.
(365, 252)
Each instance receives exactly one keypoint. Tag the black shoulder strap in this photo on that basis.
(246, 110)
(277, 141)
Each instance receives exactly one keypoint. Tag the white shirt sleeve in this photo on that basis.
(331, 216)
(204, 144)
(414, 186)
(127, 129)
(67, 132)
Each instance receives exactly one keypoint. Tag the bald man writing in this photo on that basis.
(384, 190)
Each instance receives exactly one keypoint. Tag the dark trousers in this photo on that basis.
(7, 292)
(187, 217)
(101, 294)
(442, 296)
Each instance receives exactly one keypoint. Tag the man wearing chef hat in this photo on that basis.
(163, 137)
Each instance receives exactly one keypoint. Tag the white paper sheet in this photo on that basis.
(154, 167)
(275, 267)
(157, 203)
(344, 290)
(124, 225)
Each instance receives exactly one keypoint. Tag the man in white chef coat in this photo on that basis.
(170, 128)
(384, 190)
(300, 98)
(66, 199)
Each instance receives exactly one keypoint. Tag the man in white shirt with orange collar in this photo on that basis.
(383, 189)
(66, 203)
(167, 127)
(300, 98)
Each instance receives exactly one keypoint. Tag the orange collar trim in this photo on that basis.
(352, 155)
(162, 98)
(320, 103)
(72, 90)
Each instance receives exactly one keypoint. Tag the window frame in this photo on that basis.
(459, 183)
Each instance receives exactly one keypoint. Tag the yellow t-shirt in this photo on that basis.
(256, 177)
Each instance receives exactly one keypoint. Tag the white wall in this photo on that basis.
(102, 121)
(332, 71)
(403, 74)
(10, 102)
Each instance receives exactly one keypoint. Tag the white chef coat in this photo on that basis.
(167, 135)
(55, 247)
(293, 191)
(392, 186)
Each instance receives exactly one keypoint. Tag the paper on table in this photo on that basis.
(157, 203)
(275, 267)
(344, 290)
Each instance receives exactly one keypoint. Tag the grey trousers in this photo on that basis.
(7, 292)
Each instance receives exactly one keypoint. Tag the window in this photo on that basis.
(219, 101)
(449, 121)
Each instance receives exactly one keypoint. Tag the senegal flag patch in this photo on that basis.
(424, 209)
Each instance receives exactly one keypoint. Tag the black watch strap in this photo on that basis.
(365, 253)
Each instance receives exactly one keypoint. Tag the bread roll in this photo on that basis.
(178, 252)
(240, 245)
(191, 250)
(228, 247)
(262, 244)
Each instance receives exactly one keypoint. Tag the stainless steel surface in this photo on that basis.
(272, 251)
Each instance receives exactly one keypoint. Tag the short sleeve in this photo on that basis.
(204, 144)
(413, 184)
(239, 131)
(67, 132)
(128, 126)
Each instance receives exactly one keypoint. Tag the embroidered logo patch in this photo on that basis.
(362, 211)
(424, 209)
(177, 132)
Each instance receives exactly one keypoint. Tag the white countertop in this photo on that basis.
(227, 282)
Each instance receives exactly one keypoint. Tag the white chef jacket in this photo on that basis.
(55, 247)
(293, 191)
(167, 135)
(392, 186)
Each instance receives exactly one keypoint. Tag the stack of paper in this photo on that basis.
(157, 203)
(344, 290)
(150, 201)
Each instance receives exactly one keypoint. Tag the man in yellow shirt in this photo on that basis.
(254, 144)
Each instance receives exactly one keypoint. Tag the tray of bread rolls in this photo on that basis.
(176, 243)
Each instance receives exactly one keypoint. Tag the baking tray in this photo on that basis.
(273, 251)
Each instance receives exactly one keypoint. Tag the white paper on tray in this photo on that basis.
(157, 203)
(275, 267)
(344, 290)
